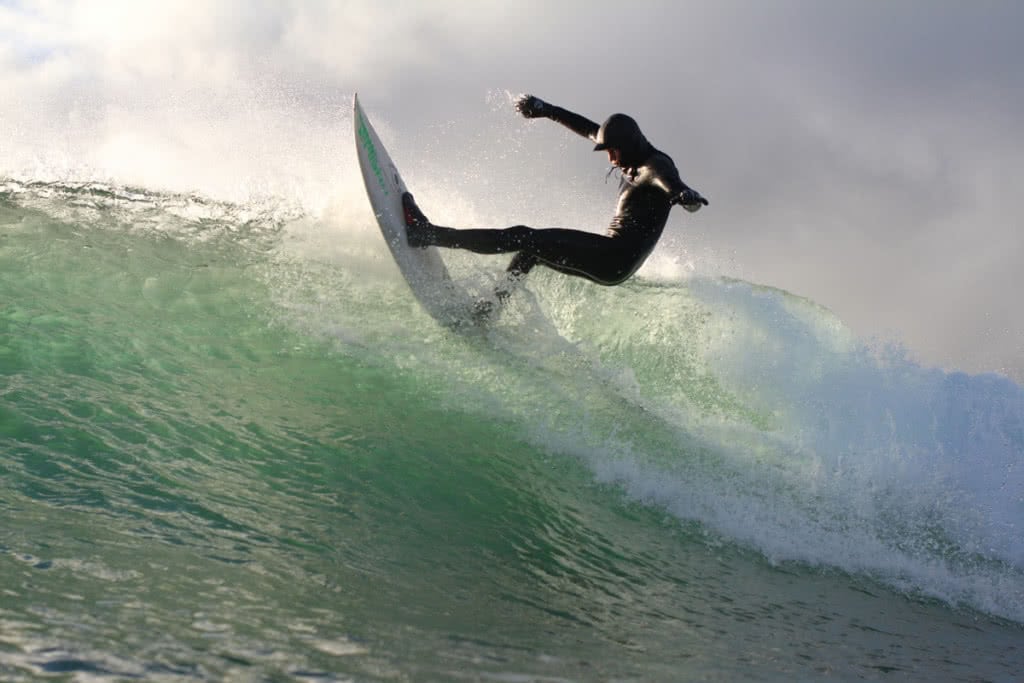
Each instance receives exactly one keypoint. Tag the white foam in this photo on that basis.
(759, 415)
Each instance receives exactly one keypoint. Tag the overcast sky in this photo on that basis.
(866, 155)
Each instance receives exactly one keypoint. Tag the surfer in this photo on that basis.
(650, 186)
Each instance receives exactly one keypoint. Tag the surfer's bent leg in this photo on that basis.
(605, 260)
(521, 264)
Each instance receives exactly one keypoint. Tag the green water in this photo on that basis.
(230, 450)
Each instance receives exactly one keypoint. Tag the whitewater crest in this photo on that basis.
(186, 216)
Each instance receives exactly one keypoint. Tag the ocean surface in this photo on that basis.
(233, 448)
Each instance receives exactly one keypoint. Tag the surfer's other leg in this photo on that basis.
(521, 264)
(420, 232)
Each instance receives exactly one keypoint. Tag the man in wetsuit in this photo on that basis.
(650, 186)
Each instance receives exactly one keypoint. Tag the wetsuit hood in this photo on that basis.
(621, 132)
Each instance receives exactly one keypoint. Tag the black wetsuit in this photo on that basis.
(650, 186)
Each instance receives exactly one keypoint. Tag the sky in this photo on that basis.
(865, 155)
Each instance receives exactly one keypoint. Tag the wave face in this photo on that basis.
(234, 446)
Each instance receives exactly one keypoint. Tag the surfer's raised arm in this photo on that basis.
(534, 107)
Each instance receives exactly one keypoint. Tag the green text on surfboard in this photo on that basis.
(371, 155)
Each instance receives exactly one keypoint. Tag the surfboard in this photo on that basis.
(423, 269)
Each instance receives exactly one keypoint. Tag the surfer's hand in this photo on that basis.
(531, 107)
(690, 199)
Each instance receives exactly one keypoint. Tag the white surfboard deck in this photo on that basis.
(423, 269)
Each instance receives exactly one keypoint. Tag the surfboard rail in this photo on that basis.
(422, 268)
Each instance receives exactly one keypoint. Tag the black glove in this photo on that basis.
(531, 107)
(690, 199)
